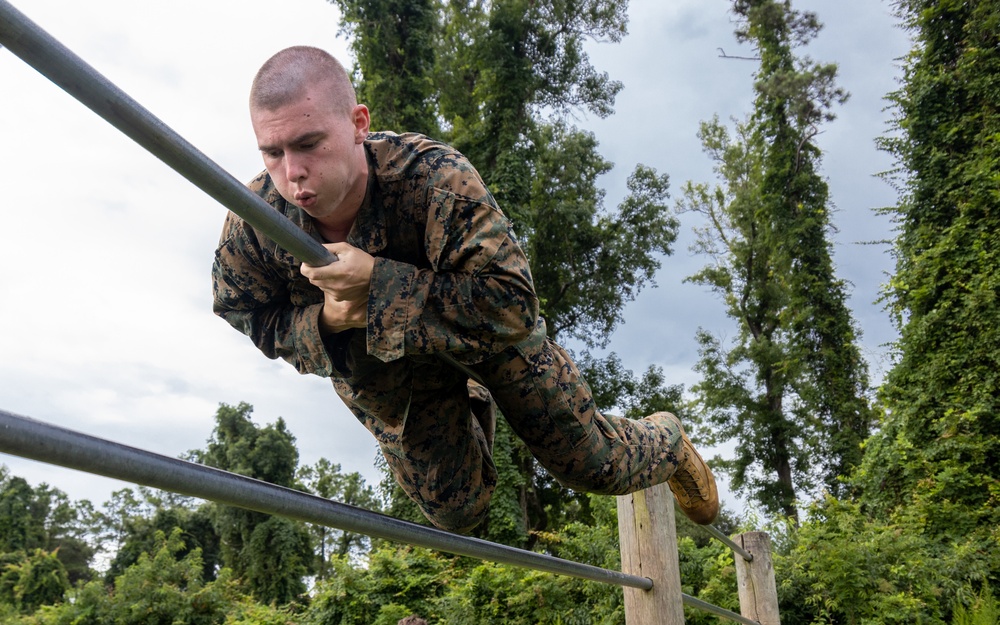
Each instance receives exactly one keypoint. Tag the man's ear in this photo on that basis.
(362, 121)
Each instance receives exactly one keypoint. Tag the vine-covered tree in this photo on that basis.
(792, 389)
(393, 42)
(938, 450)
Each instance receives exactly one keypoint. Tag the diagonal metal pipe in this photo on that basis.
(59, 64)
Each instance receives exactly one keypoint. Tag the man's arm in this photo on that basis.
(477, 297)
(253, 296)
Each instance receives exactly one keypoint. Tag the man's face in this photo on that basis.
(314, 154)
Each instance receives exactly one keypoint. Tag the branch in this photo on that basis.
(723, 55)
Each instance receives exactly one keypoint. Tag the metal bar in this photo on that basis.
(714, 609)
(746, 555)
(711, 529)
(57, 63)
(44, 442)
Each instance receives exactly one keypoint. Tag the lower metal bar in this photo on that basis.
(746, 555)
(714, 609)
(48, 443)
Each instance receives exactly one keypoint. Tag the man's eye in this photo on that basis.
(272, 153)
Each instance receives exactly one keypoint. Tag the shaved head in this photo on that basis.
(284, 78)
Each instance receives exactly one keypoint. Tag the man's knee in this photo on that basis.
(459, 521)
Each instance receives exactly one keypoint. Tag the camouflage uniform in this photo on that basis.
(450, 277)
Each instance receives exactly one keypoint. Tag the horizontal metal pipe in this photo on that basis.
(56, 62)
(714, 609)
(44, 442)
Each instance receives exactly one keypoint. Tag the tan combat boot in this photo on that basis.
(693, 483)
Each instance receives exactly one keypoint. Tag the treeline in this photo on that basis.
(883, 503)
(171, 559)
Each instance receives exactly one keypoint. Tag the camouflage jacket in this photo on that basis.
(449, 274)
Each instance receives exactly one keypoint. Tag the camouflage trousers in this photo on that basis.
(429, 419)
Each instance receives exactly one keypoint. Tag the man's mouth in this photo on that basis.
(305, 199)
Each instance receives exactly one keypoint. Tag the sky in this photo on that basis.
(105, 253)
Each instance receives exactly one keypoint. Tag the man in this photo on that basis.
(430, 292)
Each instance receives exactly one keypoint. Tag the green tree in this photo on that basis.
(141, 537)
(938, 445)
(792, 389)
(271, 555)
(393, 43)
(33, 580)
(44, 518)
(326, 480)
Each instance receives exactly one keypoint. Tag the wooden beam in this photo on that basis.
(648, 539)
(755, 580)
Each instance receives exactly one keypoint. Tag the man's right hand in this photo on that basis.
(345, 286)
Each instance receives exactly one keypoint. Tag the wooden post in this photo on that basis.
(755, 580)
(648, 540)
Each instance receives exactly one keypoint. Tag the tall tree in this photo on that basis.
(270, 554)
(792, 389)
(938, 449)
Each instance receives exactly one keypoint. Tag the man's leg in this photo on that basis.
(430, 435)
(542, 395)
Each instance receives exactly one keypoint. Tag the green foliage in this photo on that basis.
(938, 451)
(844, 567)
(792, 387)
(408, 578)
(271, 555)
(394, 44)
(28, 581)
(160, 589)
(45, 518)
(140, 531)
(984, 611)
(587, 263)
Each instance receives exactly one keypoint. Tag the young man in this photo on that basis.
(430, 292)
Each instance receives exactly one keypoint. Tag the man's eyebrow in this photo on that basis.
(305, 137)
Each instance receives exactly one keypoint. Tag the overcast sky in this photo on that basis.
(105, 297)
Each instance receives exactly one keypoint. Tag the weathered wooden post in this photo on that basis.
(648, 540)
(755, 580)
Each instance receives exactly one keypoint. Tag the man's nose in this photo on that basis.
(294, 167)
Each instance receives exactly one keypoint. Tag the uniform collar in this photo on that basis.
(368, 232)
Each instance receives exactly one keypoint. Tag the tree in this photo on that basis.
(937, 455)
(270, 554)
(141, 531)
(43, 518)
(792, 389)
(34, 580)
(393, 44)
(325, 479)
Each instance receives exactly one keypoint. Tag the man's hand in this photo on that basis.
(345, 284)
